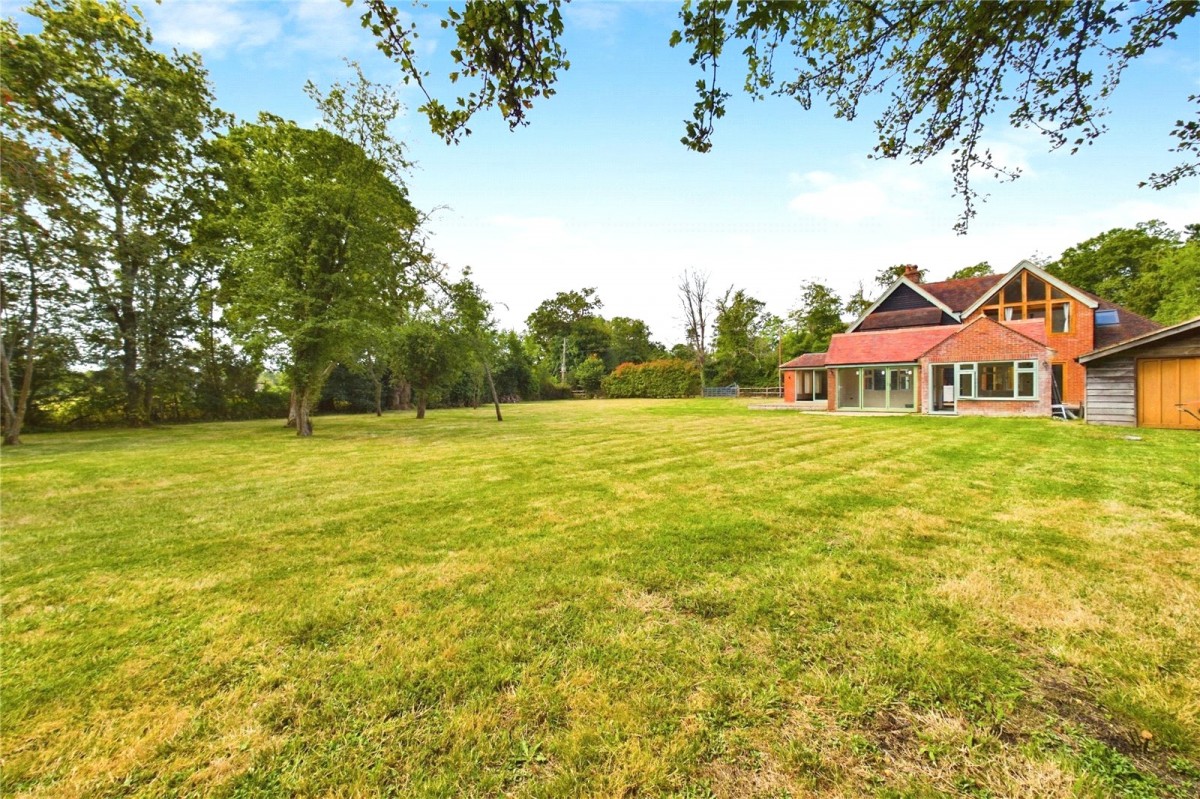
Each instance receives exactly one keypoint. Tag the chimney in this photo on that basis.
(912, 272)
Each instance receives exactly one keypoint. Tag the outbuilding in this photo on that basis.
(1149, 381)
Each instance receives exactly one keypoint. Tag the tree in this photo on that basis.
(888, 275)
(858, 302)
(1121, 265)
(477, 329)
(573, 317)
(631, 341)
(427, 357)
(35, 291)
(695, 300)
(944, 70)
(814, 321)
(314, 229)
(135, 121)
(1179, 276)
(976, 270)
(590, 373)
(745, 344)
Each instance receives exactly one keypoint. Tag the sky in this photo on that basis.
(598, 191)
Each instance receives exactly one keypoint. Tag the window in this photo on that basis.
(1027, 296)
(998, 380)
(901, 379)
(966, 380)
(1060, 317)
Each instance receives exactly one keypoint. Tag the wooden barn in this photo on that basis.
(1149, 381)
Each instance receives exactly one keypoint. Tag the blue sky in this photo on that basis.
(598, 191)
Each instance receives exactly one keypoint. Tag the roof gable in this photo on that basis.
(899, 284)
(1027, 266)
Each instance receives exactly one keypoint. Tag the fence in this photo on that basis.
(773, 392)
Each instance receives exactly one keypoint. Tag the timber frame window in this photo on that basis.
(1027, 296)
(1002, 380)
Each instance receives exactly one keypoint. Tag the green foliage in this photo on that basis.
(662, 379)
(311, 230)
(944, 71)
(976, 270)
(428, 356)
(746, 342)
(589, 374)
(510, 48)
(1150, 269)
(630, 341)
(134, 121)
(814, 322)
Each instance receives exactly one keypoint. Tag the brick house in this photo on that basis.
(991, 345)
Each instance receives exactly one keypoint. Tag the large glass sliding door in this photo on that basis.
(877, 388)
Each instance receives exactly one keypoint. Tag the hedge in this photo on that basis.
(657, 379)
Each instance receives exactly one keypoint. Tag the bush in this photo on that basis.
(663, 379)
(590, 375)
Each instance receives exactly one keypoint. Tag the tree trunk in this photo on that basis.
(378, 395)
(303, 417)
(8, 416)
(404, 395)
(291, 417)
(420, 404)
(487, 370)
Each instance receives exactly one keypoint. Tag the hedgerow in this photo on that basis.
(661, 379)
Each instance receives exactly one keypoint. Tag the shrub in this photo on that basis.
(662, 379)
(590, 375)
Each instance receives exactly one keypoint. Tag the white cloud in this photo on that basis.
(212, 27)
(833, 198)
(592, 16)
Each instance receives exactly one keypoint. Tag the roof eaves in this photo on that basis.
(1066, 288)
(1137, 341)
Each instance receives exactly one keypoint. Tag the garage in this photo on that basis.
(1165, 389)
(1149, 381)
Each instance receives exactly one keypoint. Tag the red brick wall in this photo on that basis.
(1069, 346)
(986, 340)
(789, 386)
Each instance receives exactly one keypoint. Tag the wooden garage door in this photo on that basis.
(1164, 383)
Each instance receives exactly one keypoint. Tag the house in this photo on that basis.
(1152, 380)
(993, 345)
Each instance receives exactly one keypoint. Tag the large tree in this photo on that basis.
(745, 341)
(35, 290)
(814, 321)
(135, 121)
(936, 75)
(631, 341)
(1140, 267)
(569, 322)
(314, 230)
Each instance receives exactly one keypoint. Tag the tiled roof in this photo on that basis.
(911, 317)
(958, 295)
(806, 361)
(1029, 328)
(1129, 325)
(886, 346)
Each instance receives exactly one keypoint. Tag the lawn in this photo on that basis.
(603, 598)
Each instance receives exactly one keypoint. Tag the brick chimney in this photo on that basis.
(912, 272)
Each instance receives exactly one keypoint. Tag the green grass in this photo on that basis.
(603, 598)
